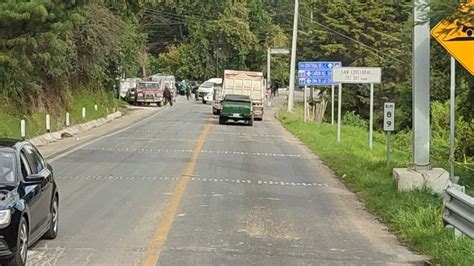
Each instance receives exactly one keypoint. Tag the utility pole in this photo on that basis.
(421, 90)
(293, 58)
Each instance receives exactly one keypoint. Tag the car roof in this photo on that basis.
(10, 143)
(215, 80)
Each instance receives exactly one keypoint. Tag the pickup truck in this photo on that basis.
(236, 108)
(148, 92)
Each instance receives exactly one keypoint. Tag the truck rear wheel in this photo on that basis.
(251, 122)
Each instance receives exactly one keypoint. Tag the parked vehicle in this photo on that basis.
(246, 83)
(237, 108)
(148, 92)
(126, 85)
(29, 200)
(206, 90)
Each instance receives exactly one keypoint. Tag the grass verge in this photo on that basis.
(36, 122)
(414, 216)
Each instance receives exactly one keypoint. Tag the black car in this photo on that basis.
(29, 200)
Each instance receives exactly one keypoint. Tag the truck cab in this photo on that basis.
(206, 90)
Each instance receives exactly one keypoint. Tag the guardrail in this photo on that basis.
(459, 211)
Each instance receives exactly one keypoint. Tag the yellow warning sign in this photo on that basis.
(458, 37)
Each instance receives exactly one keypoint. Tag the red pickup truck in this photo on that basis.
(148, 92)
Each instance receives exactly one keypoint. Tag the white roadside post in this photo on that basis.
(357, 75)
(48, 123)
(83, 113)
(389, 125)
(96, 107)
(23, 129)
(68, 120)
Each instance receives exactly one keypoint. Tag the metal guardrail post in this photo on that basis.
(459, 211)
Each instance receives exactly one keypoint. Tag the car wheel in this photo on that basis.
(158, 104)
(251, 122)
(19, 258)
(54, 224)
(204, 101)
(221, 120)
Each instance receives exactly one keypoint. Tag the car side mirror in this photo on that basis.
(34, 179)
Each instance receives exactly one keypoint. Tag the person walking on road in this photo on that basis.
(188, 92)
(274, 89)
(167, 94)
(182, 87)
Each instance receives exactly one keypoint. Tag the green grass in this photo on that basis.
(36, 122)
(414, 216)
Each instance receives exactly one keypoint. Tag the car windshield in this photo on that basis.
(207, 85)
(148, 85)
(7, 167)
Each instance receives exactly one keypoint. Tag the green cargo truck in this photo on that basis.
(236, 108)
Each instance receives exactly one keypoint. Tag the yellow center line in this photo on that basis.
(161, 234)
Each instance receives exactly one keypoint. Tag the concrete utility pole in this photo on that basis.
(269, 62)
(421, 90)
(421, 174)
(293, 58)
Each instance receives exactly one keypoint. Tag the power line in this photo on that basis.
(353, 40)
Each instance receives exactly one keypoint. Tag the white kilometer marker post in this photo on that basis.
(68, 120)
(23, 128)
(95, 107)
(83, 113)
(48, 123)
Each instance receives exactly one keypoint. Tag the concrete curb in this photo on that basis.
(56, 136)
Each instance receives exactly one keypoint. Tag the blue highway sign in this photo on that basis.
(316, 73)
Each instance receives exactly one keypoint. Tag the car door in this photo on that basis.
(32, 195)
(38, 167)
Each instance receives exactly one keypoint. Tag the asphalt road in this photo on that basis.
(179, 189)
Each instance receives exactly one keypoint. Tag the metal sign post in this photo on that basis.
(332, 105)
(452, 119)
(371, 122)
(357, 75)
(389, 125)
(339, 105)
(305, 103)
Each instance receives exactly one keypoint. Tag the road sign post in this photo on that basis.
(339, 105)
(305, 103)
(332, 105)
(452, 120)
(357, 75)
(389, 125)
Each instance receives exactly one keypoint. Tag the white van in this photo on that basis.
(206, 90)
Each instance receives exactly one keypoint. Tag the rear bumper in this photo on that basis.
(236, 118)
